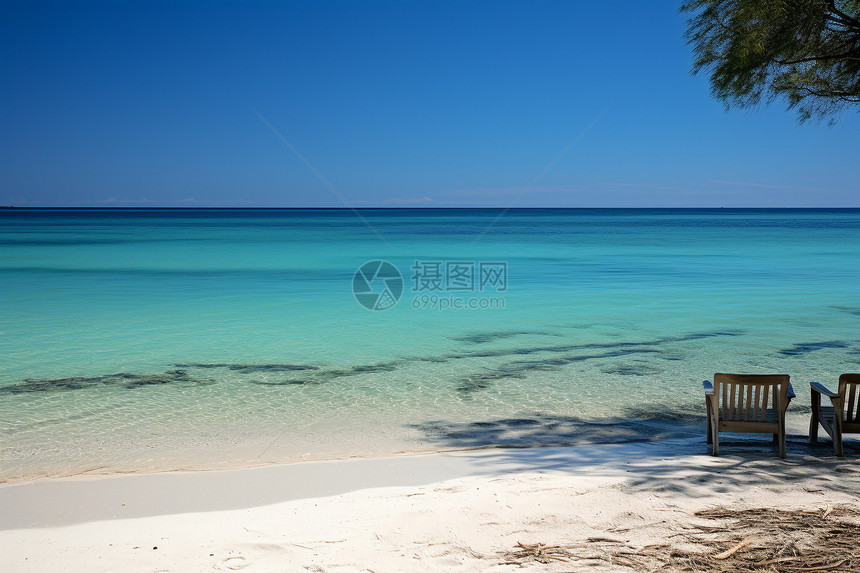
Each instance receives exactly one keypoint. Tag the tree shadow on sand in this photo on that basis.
(541, 429)
(684, 467)
(664, 452)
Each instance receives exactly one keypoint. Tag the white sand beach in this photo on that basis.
(461, 511)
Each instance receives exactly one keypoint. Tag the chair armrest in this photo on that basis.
(818, 387)
(709, 388)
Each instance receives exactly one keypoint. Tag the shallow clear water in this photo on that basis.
(158, 339)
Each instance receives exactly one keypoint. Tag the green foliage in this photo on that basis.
(804, 51)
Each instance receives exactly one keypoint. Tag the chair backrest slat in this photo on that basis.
(760, 407)
(854, 414)
(849, 388)
(745, 397)
(733, 406)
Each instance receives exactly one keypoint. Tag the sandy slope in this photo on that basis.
(439, 512)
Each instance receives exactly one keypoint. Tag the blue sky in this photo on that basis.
(394, 104)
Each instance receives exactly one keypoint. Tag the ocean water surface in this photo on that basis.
(148, 340)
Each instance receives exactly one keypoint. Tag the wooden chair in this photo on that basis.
(842, 416)
(739, 403)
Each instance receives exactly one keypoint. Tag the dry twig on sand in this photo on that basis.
(538, 552)
(750, 540)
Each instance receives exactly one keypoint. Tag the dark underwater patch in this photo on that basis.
(807, 347)
(631, 370)
(562, 355)
(252, 368)
(484, 380)
(515, 370)
(563, 360)
(518, 369)
(472, 382)
(390, 366)
(854, 310)
(311, 374)
(525, 350)
(433, 359)
(126, 380)
(318, 373)
(294, 382)
(492, 336)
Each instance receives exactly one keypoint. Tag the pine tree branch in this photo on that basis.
(846, 19)
(849, 55)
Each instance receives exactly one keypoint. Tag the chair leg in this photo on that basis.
(782, 439)
(710, 438)
(837, 435)
(716, 440)
(813, 421)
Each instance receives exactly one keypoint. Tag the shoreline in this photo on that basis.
(98, 473)
(451, 510)
(594, 433)
(326, 477)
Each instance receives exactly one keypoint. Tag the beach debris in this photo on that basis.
(536, 553)
(735, 549)
(235, 562)
(747, 540)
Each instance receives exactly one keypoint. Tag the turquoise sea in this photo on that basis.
(148, 340)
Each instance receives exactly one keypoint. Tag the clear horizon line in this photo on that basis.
(402, 208)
